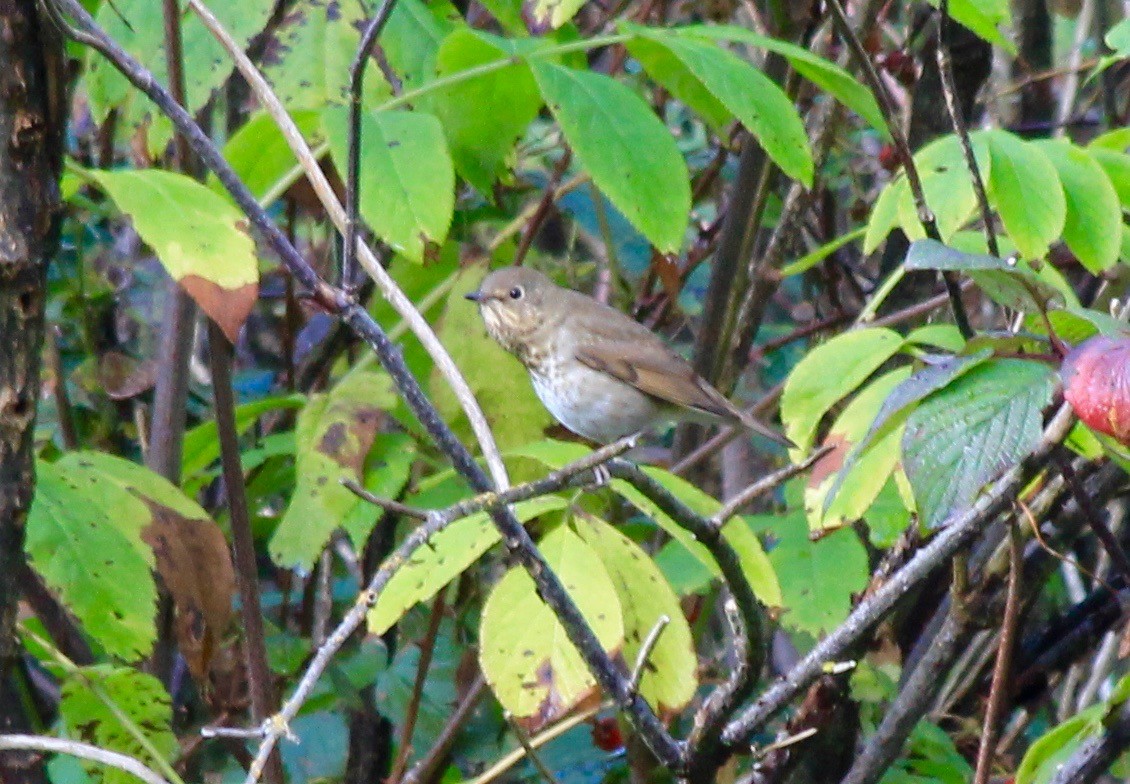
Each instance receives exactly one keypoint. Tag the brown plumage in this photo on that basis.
(601, 374)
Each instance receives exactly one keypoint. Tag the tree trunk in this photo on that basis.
(31, 125)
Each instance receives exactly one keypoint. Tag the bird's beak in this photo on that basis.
(474, 296)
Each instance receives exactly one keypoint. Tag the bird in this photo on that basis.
(599, 373)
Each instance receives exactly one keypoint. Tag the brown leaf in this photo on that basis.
(229, 308)
(194, 562)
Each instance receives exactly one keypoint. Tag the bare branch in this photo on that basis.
(82, 751)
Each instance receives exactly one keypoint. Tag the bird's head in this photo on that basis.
(514, 303)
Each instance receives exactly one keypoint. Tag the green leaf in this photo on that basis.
(138, 27)
(810, 260)
(500, 383)
(755, 565)
(483, 117)
(884, 214)
(407, 179)
(968, 433)
(202, 443)
(77, 513)
(309, 58)
(413, 35)
(607, 125)
(825, 74)
(1094, 217)
(138, 695)
(946, 184)
(1047, 753)
(526, 657)
(985, 18)
(930, 254)
(1116, 164)
(261, 155)
(828, 373)
(818, 578)
(678, 80)
(200, 237)
(446, 556)
(931, 378)
(857, 484)
(334, 434)
(1026, 190)
(669, 679)
(752, 97)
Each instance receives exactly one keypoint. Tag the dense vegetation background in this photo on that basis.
(254, 510)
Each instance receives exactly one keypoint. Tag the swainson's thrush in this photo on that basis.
(600, 374)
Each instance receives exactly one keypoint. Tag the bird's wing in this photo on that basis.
(655, 370)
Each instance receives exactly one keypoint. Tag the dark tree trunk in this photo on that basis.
(30, 133)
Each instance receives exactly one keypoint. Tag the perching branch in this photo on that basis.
(609, 674)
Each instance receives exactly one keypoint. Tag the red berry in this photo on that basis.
(606, 734)
(901, 66)
(889, 157)
(1096, 379)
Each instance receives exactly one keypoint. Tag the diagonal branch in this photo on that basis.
(609, 674)
(365, 255)
(958, 529)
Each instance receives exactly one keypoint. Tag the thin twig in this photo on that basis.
(531, 752)
(263, 701)
(424, 768)
(887, 105)
(764, 485)
(1094, 519)
(998, 691)
(353, 192)
(427, 650)
(387, 286)
(646, 649)
(542, 738)
(949, 91)
(389, 505)
(81, 750)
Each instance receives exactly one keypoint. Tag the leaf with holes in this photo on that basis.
(308, 59)
(608, 125)
(200, 237)
(946, 185)
(334, 434)
(407, 178)
(138, 27)
(190, 549)
(529, 662)
(84, 539)
(669, 675)
(138, 695)
(965, 435)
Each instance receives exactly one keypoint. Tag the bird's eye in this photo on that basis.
(516, 292)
